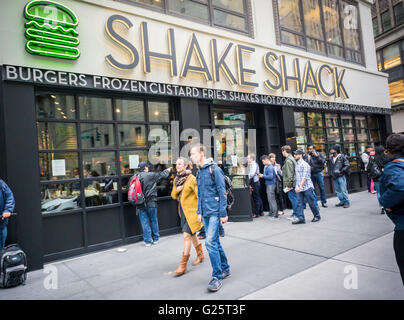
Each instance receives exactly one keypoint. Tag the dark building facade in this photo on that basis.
(75, 124)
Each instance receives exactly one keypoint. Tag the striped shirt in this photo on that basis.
(303, 171)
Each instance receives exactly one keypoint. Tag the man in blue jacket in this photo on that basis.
(212, 209)
(392, 193)
(270, 184)
(6, 207)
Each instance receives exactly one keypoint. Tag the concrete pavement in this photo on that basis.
(270, 259)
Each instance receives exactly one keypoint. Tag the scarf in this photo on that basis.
(181, 178)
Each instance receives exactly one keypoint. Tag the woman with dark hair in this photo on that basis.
(185, 190)
(392, 193)
(376, 167)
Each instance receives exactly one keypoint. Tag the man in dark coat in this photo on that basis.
(339, 169)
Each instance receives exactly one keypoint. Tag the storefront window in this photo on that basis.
(59, 197)
(348, 135)
(159, 112)
(58, 166)
(232, 118)
(132, 135)
(129, 110)
(55, 106)
(333, 135)
(301, 136)
(98, 171)
(101, 192)
(55, 135)
(95, 108)
(350, 151)
(299, 119)
(317, 135)
(97, 164)
(315, 119)
(347, 121)
(332, 120)
(372, 122)
(96, 135)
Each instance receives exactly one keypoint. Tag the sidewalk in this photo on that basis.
(269, 260)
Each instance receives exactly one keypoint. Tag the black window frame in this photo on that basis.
(116, 148)
(211, 7)
(324, 41)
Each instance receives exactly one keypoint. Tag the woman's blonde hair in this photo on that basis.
(272, 155)
(185, 161)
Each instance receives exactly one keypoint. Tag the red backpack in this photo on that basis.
(135, 194)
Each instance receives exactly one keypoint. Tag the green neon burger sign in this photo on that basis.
(51, 30)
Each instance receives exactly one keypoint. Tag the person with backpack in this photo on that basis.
(289, 178)
(392, 193)
(7, 204)
(376, 167)
(212, 209)
(339, 169)
(145, 200)
(317, 162)
(254, 182)
(365, 163)
(270, 183)
(185, 191)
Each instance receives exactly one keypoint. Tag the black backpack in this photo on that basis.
(13, 266)
(374, 171)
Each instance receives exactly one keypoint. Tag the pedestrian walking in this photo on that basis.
(339, 169)
(212, 209)
(270, 185)
(365, 162)
(376, 168)
(304, 189)
(7, 204)
(254, 183)
(392, 193)
(289, 178)
(279, 194)
(317, 163)
(186, 192)
(148, 210)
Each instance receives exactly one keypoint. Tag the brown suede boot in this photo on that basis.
(183, 265)
(200, 257)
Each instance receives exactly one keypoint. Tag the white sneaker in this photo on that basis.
(155, 242)
(147, 244)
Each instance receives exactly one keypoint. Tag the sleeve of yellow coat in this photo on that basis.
(174, 192)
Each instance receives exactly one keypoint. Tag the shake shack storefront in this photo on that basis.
(76, 121)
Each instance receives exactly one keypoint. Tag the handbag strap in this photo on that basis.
(402, 160)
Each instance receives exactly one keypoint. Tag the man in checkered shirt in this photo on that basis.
(304, 189)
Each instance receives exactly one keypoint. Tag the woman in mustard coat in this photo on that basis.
(186, 192)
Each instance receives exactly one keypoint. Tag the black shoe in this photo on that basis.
(214, 285)
(298, 222)
(315, 219)
(383, 211)
(221, 234)
(226, 274)
(324, 205)
(346, 205)
(339, 204)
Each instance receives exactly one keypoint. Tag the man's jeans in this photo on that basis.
(217, 256)
(3, 236)
(341, 189)
(293, 199)
(302, 196)
(377, 187)
(259, 207)
(318, 179)
(145, 215)
(202, 232)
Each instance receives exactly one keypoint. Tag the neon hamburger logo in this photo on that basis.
(51, 30)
